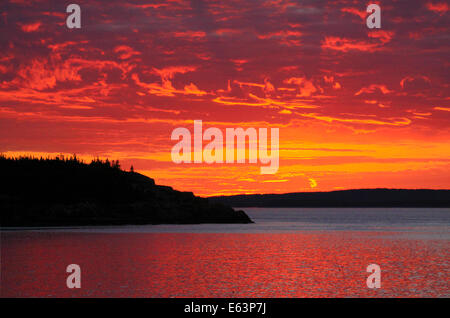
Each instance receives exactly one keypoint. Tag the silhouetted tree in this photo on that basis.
(116, 164)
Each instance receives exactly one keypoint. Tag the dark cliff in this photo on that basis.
(58, 192)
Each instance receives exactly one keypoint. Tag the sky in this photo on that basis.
(355, 107)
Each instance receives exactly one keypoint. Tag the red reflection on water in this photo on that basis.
(221, 265)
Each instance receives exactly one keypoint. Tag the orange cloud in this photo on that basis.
(45, 73)
(330, 119)
(237, 101)
(267, 87)
(190, 34)
(125, 51)
(63, 45)
(279, 34)
(191, 89)
(286, 37)
(330, 80)
(373, 88)
(239, 63)
(41, 74)
(441, 7)
(31, 27)
(446, 109)
(166, 87)
(415, 82)
(225, 31)
(345, 45)
(306, 87)
(336, 85)
(360, 13)
(382, 35)
(169, 72)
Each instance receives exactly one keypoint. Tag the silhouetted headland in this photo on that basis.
(343, 198)
(68, 192)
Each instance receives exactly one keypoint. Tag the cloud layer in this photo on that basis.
(355, 107)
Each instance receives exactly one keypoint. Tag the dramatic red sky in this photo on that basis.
(356, 108)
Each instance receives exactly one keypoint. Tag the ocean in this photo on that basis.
(287, 252)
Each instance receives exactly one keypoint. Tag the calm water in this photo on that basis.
(287, 253)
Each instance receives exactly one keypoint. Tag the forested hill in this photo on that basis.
(66, 192)
(343, 198)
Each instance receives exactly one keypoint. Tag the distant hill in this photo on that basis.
(343, 198)
(68, 192)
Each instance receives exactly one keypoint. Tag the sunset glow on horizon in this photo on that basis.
(355, 107)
